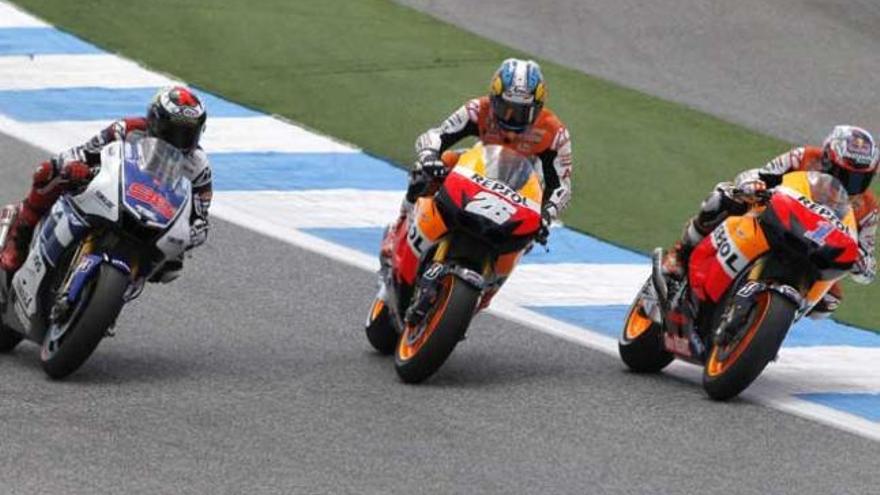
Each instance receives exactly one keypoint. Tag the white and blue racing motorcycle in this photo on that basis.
(94, 251)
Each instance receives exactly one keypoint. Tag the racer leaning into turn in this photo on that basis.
(175, 115)
(512, 115)
(849, 153)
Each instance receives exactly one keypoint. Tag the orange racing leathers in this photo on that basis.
(806, 158)
(547, 138)
(720, 204)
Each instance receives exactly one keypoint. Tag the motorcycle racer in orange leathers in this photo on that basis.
(849, 153)
(512, 115)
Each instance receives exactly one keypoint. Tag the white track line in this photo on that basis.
(24, 72)
(335, 208)
(264, 134)
(575, 284)
(12, 17)
(222, 135)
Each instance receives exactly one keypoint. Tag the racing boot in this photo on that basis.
(669, 269)
(387, 248)
(673, 264)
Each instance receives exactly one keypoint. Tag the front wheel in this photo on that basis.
(735, 365)
(423, 348)
(641, 342)
(380, 331)
(67, 346)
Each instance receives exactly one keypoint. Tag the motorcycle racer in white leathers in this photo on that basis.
(175, 115)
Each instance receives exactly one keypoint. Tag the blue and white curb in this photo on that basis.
(287, 182)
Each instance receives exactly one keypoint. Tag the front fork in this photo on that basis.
(737, 313)
(427, 287)
(83, 266)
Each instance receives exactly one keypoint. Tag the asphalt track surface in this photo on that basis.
(790, 68)
(251, 374)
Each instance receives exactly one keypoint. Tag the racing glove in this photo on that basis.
(865, 269)
(750, 192)
(198, 233)
(75, 172)
(548, 213)
(430, 165)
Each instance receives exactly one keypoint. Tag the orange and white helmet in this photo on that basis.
(851, 154)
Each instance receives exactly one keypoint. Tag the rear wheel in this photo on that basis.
(423, 348)
(733, 366)
(67, 346)
(9, 338)
(380, 331)
(641, 342)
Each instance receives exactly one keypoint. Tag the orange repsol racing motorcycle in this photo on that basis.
(747, 283)
(451, 256)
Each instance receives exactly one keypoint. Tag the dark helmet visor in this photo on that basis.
(183, 135)
(855, 182)
(513, 116)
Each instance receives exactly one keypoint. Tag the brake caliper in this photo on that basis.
(426, 293)
(737, 313)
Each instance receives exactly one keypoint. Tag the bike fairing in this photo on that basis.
(738, 241)
(73, 215)
(472, 230)
(153, 186)
(749, 281)
(734, 247)
(87, 218)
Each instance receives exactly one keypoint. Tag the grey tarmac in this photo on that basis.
(251, 374)
(790, 68)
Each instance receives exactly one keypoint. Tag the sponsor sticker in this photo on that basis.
(727, 253)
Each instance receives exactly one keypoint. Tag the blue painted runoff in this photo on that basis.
(864, 405)
(607, 320)
(806, 333)
(363, 239)
(303, 171)
(569, 246)
(42, 41)
(45, 105)
(566, 246)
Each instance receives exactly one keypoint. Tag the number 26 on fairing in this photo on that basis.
(491, 206)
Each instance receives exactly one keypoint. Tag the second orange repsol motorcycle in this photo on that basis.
(451, 256)
(747, 283)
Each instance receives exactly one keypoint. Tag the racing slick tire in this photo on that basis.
(734, 366)
(67, 346)
(641, 342)
(423, 348)
(380, 331)
(9, 338)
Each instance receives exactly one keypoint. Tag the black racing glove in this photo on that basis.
(430, 165)
(548, 212)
